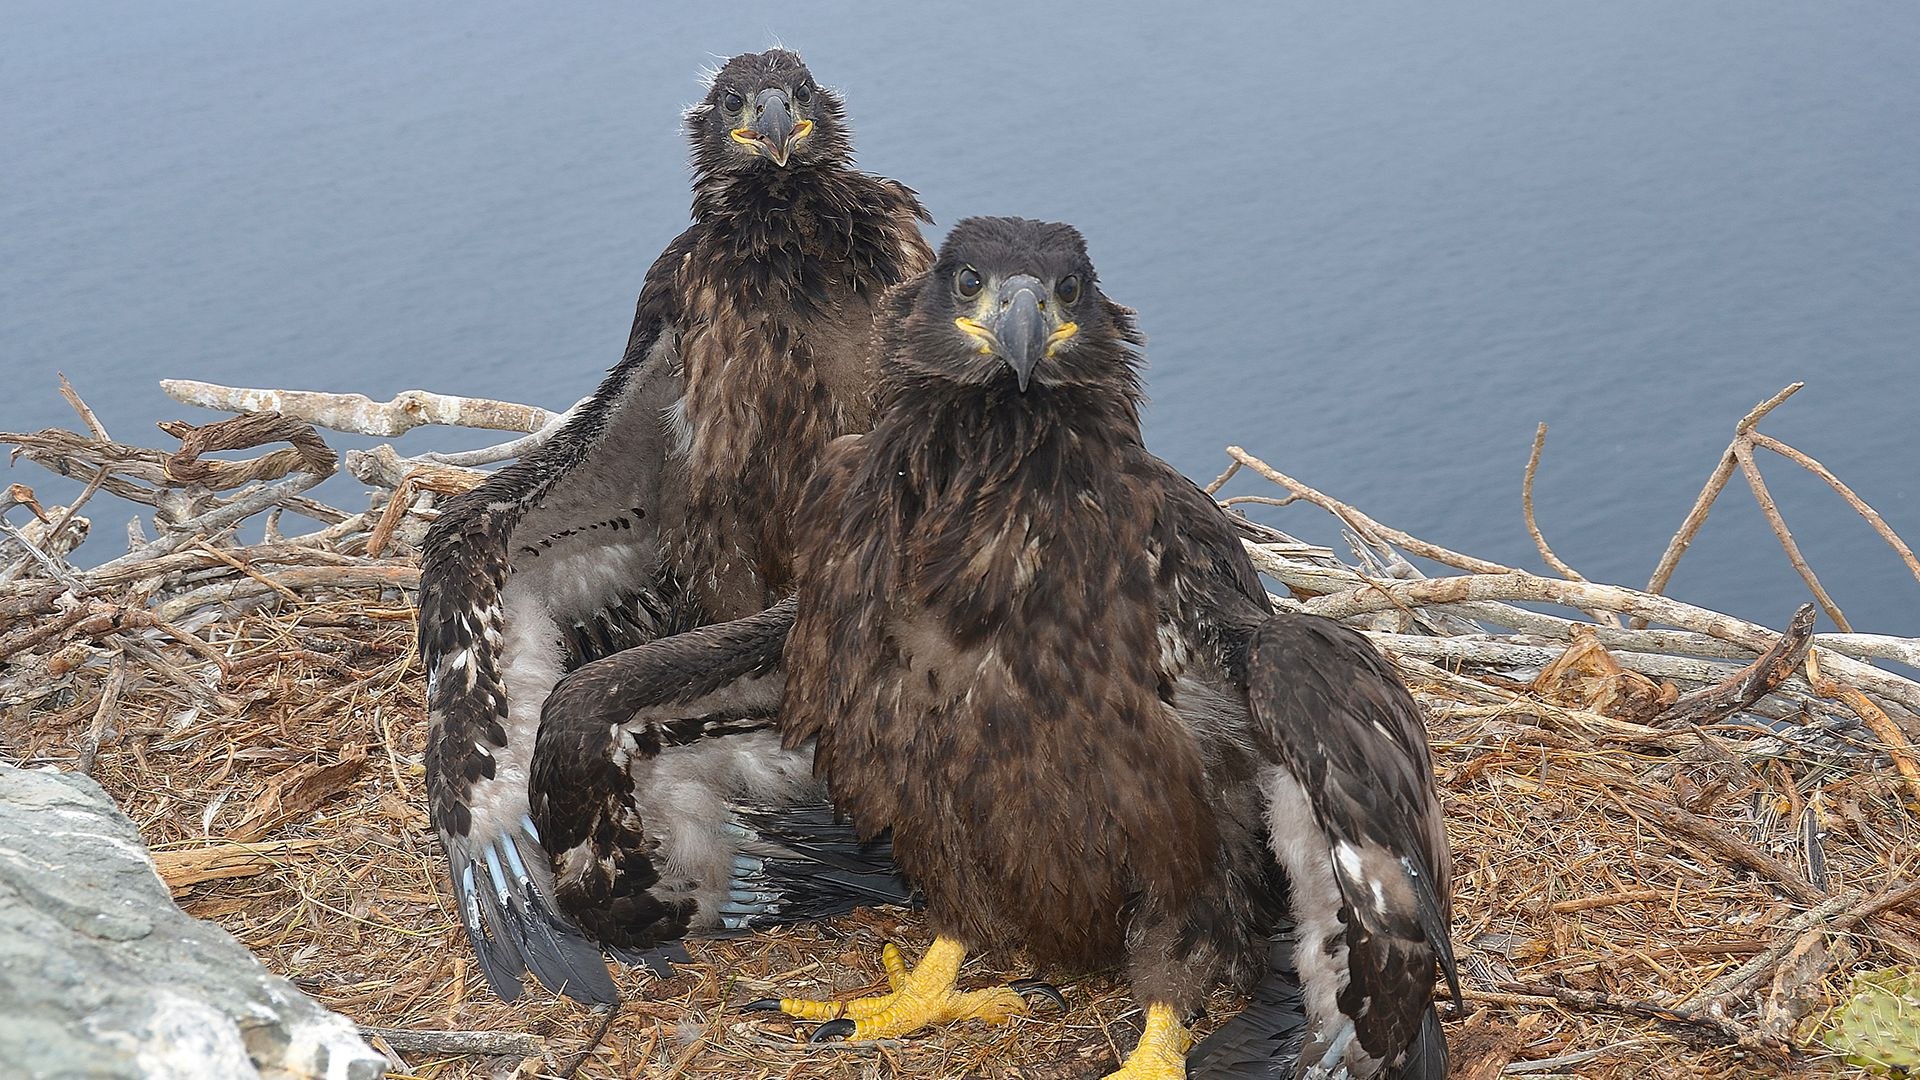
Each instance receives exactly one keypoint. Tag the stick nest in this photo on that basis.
(1682, 842)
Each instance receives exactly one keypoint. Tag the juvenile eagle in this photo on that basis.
(662, 504)
(1040, 657)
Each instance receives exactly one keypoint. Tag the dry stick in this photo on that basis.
(606, 1023)
(360, 415)
(1697, 516)
(1751, 470)
(81, 407)
(1852, 908)
(1319, 580)
(1735, 850)
(109, 701)
(1370, 530)
(1719, 1029)
(487, 1043)
(1748, 685)
(1859, 505)
(1533, 527)
(309, 452)
(240, 507)
(520, 447)
(73, 508)
(1518, 585)
(1882, 726)
(47, 562)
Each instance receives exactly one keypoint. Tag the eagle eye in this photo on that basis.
(803, 93)
(733, 102)
(1068, 290)
(967, 282)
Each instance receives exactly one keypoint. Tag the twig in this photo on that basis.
(1533, 527)
(1835, 916)
(1859, 505)
(1744, 454)
(1748, 685)
(1517, 585)
(84, 410)
(1873, 716)
(109, 704)
(52, 566)
(240, 507)
(359, 414)
(1370, 530)
(1703, 503)
(1731, 848)
(599, 1034)
(1713, 1027)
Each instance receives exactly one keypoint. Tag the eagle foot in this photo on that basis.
(922, 997)
(1161, 1053)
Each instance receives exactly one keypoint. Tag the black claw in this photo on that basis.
(1034, 988)
(832, 1030)
(762, 1005)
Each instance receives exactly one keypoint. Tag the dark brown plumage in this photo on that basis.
(660, 505)
(1041, 658)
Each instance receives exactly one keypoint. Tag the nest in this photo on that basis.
(1683, 844)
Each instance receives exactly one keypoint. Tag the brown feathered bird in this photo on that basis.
(1040, 657)
(662, 504)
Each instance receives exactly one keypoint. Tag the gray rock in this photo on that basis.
(101, 976)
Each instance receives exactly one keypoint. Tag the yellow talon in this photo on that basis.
(1161, 1053)
(921, 997)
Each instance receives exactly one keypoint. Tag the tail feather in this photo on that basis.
(806, 862)
(1264, 1041)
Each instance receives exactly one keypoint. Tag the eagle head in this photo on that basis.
(1016, 302)
(764, 112)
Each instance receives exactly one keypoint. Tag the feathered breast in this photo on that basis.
(967, 652)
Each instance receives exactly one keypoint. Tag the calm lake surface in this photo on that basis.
(1375, 244)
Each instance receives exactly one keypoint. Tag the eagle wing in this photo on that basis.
(1356, 823)
(551, 562)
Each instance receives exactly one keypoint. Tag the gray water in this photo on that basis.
(1375, 244)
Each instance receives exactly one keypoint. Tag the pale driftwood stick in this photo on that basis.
(1750, 684)
(1323, 580)
(382, 467)
(1370, 530)
(1703, 503)
(516, 448)
(486, 1043)
(1221, 480)
(1488, 651)
(1768, 509)
(1590, 724)
(1859, 505)
(1383, 595)
(288, 553)
(361, 415)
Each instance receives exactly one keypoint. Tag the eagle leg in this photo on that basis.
(921, 997)
(1161, 1053)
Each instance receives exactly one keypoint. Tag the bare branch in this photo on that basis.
(359, 414)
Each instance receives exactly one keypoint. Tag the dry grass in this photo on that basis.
(1612, 874)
